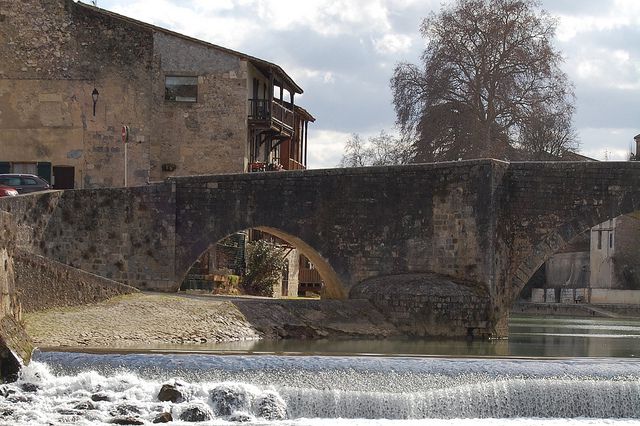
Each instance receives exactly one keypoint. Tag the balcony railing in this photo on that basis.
(272, 112)
(294, 165)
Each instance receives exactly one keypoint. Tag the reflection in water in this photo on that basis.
(560, 337)
(529, 337)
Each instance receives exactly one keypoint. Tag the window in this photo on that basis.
(181, 89)
(29, 181)
(10, 181)
(599, 240)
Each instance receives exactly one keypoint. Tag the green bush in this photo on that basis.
(265, 262)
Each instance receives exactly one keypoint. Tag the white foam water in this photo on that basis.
(87, 389)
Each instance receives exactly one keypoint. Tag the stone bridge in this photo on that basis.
(482, 225)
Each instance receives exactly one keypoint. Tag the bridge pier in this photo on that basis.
(430, 305)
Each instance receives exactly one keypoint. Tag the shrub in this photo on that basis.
(265, 262)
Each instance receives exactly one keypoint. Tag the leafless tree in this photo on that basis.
(488, 69)
(380, 150)
(354, 152)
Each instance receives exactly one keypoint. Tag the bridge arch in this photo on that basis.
(333, 287)
(559, 237)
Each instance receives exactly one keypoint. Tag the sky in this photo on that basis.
(343, 52)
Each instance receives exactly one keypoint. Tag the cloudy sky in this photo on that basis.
(342, 52)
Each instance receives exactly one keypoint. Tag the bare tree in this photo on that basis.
(354, 152)
(384, 149)
(489, 67)
(548, 134)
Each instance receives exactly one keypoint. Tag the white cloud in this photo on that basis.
(615, 69)
(205, 23)
(392, 43)
(618, 14)
(326, 148)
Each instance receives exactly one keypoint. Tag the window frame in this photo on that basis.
(175, 99)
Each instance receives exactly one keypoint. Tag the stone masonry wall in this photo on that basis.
(484, 222)
(9, 303)
(46, 284)
(352, 224)
(57, 53)
(429, 304)
(15, 345)
(122, 234)
(204, 137)
(626, 259)
(543, 206)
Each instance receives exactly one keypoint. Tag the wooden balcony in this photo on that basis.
(270, 114)
(293, 165)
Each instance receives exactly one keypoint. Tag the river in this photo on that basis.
(551, 371)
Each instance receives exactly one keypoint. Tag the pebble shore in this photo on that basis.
(140, 320)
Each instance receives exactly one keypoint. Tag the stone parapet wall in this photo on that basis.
(429, 304)
(9, 304)
(46, 284)
(123, 234)
(15, 345)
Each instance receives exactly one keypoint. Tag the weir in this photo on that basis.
(317, 390)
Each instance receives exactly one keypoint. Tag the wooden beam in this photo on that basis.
(306, 134)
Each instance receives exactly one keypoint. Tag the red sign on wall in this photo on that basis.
(125, 134)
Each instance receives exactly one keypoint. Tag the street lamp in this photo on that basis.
(94, 96)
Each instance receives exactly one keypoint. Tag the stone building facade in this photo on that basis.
(73, 77)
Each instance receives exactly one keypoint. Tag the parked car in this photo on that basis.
(6, 191)
(24, 183)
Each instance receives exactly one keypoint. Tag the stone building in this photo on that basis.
(76, 80)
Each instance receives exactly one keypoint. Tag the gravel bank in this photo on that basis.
(140, 320)
(147, 321)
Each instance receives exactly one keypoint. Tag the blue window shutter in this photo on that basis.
(5, 167)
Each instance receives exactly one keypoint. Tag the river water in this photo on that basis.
(551, 371)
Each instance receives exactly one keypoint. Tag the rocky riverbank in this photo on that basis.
(141, 321)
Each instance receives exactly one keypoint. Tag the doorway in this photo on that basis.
(64, 177)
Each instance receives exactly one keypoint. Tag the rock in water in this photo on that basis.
(127, 421)
(272, 407)
(86, 405)
(100, 397)
(170, 393)
(30, 387)
(240, 418)
(195, 413)
(228, 399)
(163, 418)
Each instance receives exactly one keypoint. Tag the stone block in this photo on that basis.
(567, 295)
(550, 295)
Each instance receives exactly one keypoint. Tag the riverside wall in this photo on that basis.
(15, 345)
(48, 284)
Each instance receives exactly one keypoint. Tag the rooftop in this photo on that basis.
(261, 64)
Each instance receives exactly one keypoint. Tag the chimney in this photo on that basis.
(637, 139)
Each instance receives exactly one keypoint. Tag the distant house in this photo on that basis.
(76, 80)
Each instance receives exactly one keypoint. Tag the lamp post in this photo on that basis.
(94, 96)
